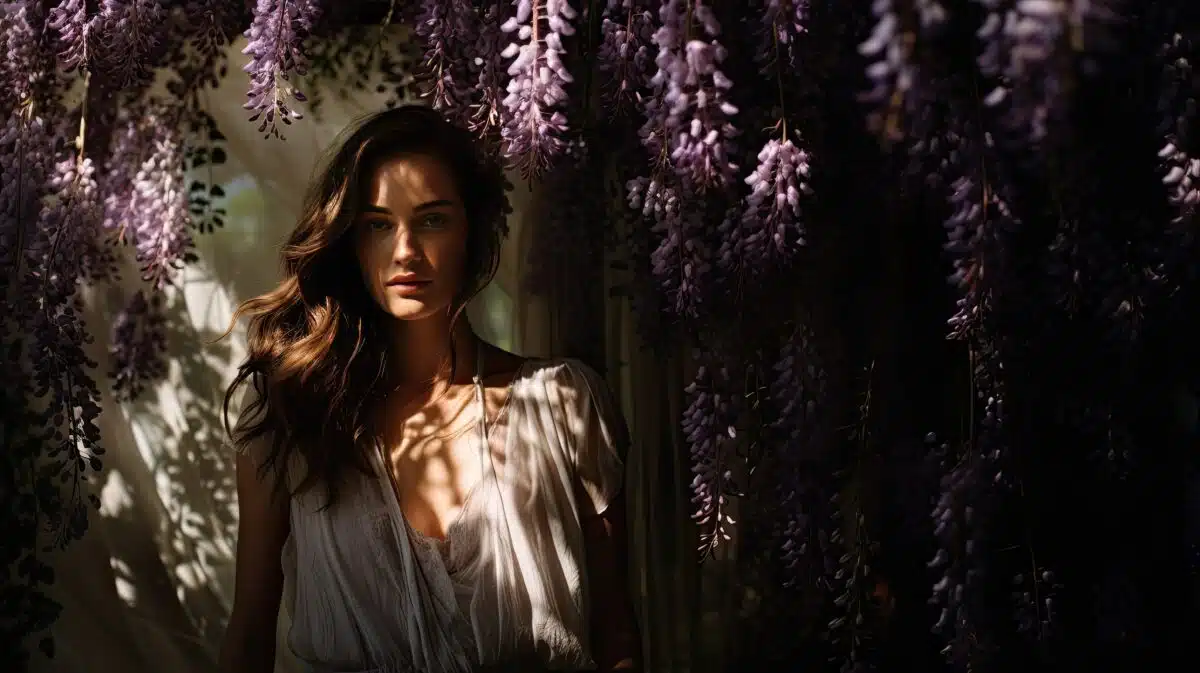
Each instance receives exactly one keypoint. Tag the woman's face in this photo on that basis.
(411, 238)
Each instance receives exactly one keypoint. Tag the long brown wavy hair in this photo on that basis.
(316, 358)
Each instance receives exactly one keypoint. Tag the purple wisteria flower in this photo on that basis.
(161, 224)
(447, 29)
(782, 21)
(276, 50)
(1027, 42)
(21, 27)
(139, 344)
(130, 40)
(895, 69)
(770, 230)
(75, 32)
(710, 431)
(624, 54)
(25, 160)
(697, 125)
(490, 72)
(682, 259)
(535, 125)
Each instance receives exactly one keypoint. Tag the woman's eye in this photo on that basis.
(434, 220)
(378, 225)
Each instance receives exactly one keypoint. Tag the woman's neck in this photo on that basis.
(420, 349)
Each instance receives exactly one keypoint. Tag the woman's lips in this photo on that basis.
(408, 286)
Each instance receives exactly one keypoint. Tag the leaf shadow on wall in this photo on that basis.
(184, 462)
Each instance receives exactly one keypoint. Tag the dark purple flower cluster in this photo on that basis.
(695, 107)
(76, 31)
(49, 313)
(146, 199)
(769, 231)
(446, 28)
(535, 124)
(131, 39)
(1180, 153)
(491, 70)
(709, 426)
(782, 22)
(797, 392)
(139, 345)
(1027, 42)
(625, 54)
(682, 259)
(25, 160)
(276, 50)
(957, 530)
(21, 27)
(160, 226)
(895, 71)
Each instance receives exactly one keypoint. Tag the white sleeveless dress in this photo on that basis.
(506, 590)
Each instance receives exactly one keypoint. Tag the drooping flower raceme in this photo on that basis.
(1028, 42)
(490, 71)
(535, 124)
(50, 310)
(1180, 126)
(131, 38)
(161, 221)
(709, 428)
(682, 259)
(25, 160)
(895, 65)
(624, 54)
(276, 50)
(21, 25)
(782, 22)
(75, 31)
(770, 230)
(447, 29)
(139, 344)
(697, 124)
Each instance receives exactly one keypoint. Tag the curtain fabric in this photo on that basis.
(150, 586)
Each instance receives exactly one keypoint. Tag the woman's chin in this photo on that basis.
(409, 309)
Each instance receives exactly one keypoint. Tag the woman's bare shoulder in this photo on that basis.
(500, 365)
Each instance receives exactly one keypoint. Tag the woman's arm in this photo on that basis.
(616, 645)
(249, 644)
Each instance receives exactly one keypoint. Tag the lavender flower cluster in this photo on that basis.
(276, 49)
(682, 259)
(770, 231)
(445, 29)
(709, 425)
(624, 55)
(535, 125)
(696, 110)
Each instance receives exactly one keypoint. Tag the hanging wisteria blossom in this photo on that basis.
(276, 49)
(534, 122)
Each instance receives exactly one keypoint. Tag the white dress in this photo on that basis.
(506, 589)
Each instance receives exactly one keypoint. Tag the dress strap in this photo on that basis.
(479, 398)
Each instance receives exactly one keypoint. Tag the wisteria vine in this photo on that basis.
(1029, 168)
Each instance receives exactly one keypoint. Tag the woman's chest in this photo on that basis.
(441, 456)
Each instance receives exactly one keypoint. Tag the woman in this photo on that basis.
(422, 500)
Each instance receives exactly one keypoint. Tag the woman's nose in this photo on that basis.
(407, 247)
